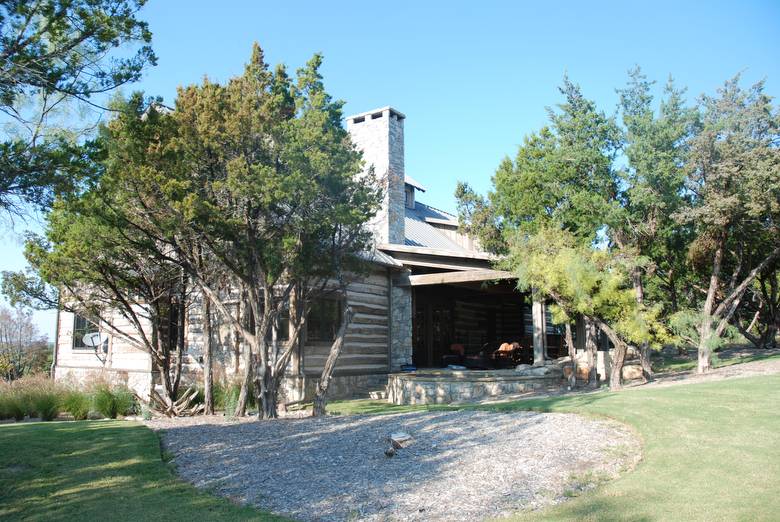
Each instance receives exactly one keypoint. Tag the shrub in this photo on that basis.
(46, 404)
(33, 395)
(76, 403)
(16, 406)
(113, 401)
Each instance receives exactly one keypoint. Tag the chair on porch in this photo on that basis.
(507, 355)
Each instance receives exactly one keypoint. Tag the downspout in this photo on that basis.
(56, 339)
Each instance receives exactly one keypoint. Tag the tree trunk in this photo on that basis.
(590, 350)
(248, 353)
(705, 327)
(572, 356)
(616, 375)
(320, 395)
(644, 348)
(246, 381)
(208, 373)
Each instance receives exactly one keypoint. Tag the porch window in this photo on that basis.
(81, 327)
(324, 320)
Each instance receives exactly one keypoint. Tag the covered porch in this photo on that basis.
(462, 318)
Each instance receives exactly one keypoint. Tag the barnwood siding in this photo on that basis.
(366, 344)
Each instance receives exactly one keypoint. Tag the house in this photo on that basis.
(430, 288)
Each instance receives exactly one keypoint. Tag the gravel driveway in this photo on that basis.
(461, 465)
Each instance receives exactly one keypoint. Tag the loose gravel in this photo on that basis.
(461, 465)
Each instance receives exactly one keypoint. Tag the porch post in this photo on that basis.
(540, 330)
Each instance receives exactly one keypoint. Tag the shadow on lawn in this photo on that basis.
(94, 471)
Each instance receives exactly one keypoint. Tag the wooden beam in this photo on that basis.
(464, 276)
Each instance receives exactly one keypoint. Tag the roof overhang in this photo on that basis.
(392, 247)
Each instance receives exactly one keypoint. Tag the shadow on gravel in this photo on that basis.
(336, 468)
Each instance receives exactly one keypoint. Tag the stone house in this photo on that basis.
(430, 288)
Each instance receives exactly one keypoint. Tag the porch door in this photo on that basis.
(432, 330)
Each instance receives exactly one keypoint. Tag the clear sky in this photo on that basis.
(472, 77)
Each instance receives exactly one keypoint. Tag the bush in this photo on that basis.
(76, 403)
(113, 401)
(33, 395)
(46, 403)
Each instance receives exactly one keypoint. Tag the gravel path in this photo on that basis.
(461, 465)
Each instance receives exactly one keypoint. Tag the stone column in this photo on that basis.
(400, 301)
(540, 330)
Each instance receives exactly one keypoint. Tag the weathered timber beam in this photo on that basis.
(464, 276)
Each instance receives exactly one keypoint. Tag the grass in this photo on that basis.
(678, 364)
(98, 470)
(711, 451)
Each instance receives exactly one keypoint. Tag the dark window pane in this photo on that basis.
(81, 327)
(324, 320)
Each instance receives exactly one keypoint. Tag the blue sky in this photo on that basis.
(472, 77)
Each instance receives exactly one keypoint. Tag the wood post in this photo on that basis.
(540, 330)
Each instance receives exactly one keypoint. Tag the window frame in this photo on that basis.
(77, 343)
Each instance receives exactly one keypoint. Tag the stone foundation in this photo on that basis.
(139, 382)
(302, 388)
(447, 386)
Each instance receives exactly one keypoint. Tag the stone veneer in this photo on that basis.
(447, 386)
(379, 134)
(400, 327)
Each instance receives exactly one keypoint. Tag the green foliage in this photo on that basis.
(77, 403)
(584, 280)
(686, 325)
(112, 401)
(32, 396)
(55, 51)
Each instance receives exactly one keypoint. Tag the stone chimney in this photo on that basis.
(380, 135)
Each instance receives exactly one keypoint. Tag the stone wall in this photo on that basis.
(302, 388)
(400, 327)
(140, 382)
(379, 134)
(445, 386)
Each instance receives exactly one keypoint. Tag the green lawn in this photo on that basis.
(711, 452)
(678, 364)
(97, 470)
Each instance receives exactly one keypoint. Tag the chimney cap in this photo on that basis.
(398, 114)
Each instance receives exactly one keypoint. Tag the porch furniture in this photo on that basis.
(455, 356)
(507, 355)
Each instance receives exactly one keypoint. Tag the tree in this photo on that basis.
(653, 186)
(583, 280)
(260, 175)
(733, 175)
(562, 178)
(89, 264)
(23, 350)
(53, 52)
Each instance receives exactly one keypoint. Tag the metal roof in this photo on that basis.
(421, 234)
(413, 182)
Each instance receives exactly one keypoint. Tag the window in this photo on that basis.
(81, 327)
(324, 320)
(283, 331)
